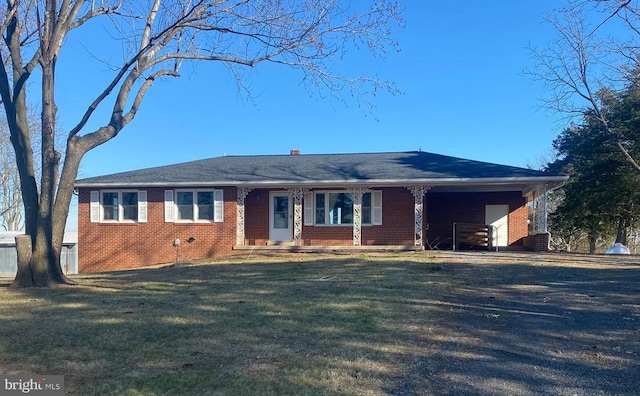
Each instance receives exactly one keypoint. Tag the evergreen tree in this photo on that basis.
(601, 198)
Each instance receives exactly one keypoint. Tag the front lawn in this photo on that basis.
(428, 323)
(302, 325)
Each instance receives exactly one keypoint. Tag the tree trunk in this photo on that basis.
(42, 266)
(45, 262)
(39, 263)
(623, 227)
(24, 276)
(592, 243)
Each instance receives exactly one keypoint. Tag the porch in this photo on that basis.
(290, 248)
(376, 218)
(330, 218)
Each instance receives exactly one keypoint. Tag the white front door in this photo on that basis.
(280, 217)
(498, 217)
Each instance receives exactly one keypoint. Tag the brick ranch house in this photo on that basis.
(225, 205)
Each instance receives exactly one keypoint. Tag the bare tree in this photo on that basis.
(11, 214)
(11, 205)
(594, 55)
(160, 36)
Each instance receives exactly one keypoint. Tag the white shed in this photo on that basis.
(8, 256)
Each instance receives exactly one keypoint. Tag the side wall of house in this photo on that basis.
(444, 209)
(109, 246)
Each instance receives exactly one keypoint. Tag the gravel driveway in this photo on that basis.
(524, 324)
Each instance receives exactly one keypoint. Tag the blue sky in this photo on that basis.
(460, 70)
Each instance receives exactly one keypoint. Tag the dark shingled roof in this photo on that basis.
(383, 168)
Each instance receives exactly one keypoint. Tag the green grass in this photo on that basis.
(310, 325)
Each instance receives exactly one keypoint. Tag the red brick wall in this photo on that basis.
(103, 247)
(518, 225)
(444, 209)
(538, 242)
(397, 220)
(256, 217)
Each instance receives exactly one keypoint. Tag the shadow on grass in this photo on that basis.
(396, 325)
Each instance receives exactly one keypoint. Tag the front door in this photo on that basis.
(280, 218)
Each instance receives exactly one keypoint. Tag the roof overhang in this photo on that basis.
(524, 184)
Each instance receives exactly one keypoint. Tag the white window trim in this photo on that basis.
(218, 206)
(169, 210)
(121, 220)
(309, 209)
(376, 207)
(94, 206)
(326, 208)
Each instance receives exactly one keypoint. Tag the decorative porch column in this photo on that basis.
(356, 195)
(418, 210)
(298, 195)
(242, 193)
(542, 211)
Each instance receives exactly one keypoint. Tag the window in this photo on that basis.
(320, 208)
(336, 208)
(130, 205)
(110, 206)
(366, 208)
(340, 208)
(184, 204)
(118, 206)
(205, 205)
(194, 205)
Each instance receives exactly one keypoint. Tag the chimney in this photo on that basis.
(294, 152)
